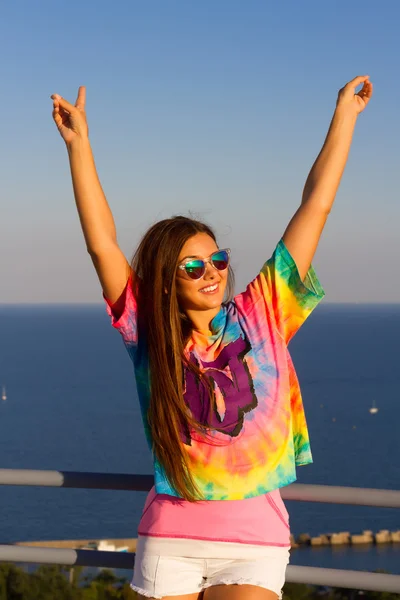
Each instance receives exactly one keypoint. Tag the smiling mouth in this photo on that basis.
(210, 289)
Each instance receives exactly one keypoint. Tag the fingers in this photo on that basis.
(63, 103)
(366, 92)
(56, 113)
(81, 98)
(358, 80)
(367, 87)
(348, 97)
(67, 106)
(57, 117)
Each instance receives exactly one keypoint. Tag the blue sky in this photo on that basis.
(214, 107)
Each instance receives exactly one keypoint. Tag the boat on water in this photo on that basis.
(373, 409)
(3, 392)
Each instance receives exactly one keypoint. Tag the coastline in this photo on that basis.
(342, 538)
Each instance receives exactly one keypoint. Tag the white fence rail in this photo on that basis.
(360, 580)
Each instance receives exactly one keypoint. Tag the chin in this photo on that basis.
(212, 302)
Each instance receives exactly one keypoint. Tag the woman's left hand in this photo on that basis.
(348, 99)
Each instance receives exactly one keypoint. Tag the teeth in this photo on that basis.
(210, 288)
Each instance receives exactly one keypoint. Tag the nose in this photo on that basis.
(210, 273)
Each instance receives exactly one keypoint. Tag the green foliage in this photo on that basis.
(50, 582)
(297, 591)
(53, 582)
(15, 586)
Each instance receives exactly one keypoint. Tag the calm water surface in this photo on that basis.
(72, 406)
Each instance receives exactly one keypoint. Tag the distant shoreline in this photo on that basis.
(331, 540)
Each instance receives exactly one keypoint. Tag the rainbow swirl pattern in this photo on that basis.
(259, 431)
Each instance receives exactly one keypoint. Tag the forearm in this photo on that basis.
(94, 213)
(324, 178)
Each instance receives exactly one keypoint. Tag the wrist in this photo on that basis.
(345, 113)
(78, 145)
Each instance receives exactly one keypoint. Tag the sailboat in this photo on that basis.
(3, 393)
(374, 409)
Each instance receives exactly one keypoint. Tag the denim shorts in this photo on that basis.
(156, 576)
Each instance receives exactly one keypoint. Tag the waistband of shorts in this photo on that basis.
(192, 548)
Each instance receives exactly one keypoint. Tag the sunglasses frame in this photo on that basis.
(206, 261)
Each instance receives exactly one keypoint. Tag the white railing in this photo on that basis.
(122, 560)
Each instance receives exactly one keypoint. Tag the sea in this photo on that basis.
(71, 405)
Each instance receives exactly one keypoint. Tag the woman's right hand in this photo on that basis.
(71, 120)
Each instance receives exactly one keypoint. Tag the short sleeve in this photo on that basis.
(289, 299)
(123, 314)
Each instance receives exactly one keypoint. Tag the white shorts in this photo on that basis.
(159, 575)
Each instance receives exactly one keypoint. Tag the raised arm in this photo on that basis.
(304, 230)
(95, 215)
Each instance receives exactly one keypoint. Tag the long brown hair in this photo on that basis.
(166, 330)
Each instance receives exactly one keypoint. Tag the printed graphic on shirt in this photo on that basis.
(260, 432)
(232, 390)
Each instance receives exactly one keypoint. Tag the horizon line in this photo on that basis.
(89, 303)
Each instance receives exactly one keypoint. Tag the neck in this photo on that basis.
(201, 319)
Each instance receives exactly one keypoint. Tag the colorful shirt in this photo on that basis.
(260, 433)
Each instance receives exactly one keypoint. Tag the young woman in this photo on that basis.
(219, 395)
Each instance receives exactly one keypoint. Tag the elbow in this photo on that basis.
(317, 204)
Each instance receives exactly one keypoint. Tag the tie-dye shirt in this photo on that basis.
(259, 432)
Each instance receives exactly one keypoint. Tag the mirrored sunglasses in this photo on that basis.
(195, 268)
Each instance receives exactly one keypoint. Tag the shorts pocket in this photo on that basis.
(145, 573)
